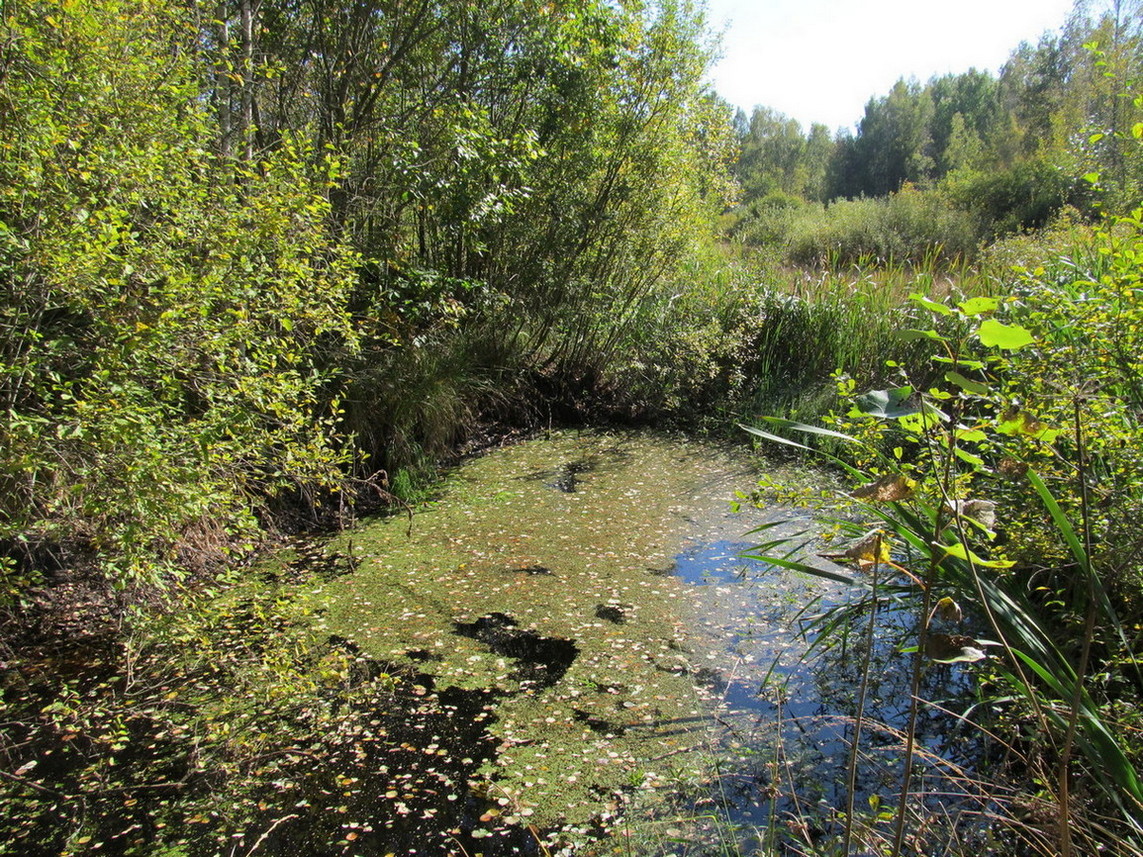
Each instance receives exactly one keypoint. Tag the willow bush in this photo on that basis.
(171, 320)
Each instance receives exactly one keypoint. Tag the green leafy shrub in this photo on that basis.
(1086, 309)
(906, 227)
(1028, 432)
(1024, 196)
(170, 317)
(764, 225)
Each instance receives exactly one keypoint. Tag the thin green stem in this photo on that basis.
(1085, 652)
(851, 786)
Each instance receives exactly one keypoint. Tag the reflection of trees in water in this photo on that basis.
(784, 709)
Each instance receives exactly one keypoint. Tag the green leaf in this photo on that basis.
(764, 552)
(967, 384)
(922, 419)
(958, 550)
(795, 426)
(921, 300)
(915, 423)
(965, 455)
(1009, 337)
(962, 363)
(794, 565)
(971, 435)
(888, 404)
(978, 306)
(911, 335)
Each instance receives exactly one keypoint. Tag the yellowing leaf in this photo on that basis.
(1016, 422)
(1012, 468)
(870, 549)
(948, 610)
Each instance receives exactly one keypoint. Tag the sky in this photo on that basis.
(822, 60)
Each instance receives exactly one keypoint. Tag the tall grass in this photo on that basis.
(840, 318)
(740, 336)
(408, 408)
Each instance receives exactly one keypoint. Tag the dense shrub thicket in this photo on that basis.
(254, 254)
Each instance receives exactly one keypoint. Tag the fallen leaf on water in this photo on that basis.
(953, 648)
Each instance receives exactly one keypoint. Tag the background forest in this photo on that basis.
(956, 162)
(267, 263)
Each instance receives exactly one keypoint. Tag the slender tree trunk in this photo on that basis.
(223, 83)
(248, 13)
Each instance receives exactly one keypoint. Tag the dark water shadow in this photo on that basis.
(540, 661)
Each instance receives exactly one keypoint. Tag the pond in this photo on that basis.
(565, 653)
(647, 681)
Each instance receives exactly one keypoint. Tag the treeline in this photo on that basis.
(261, 258)
(996, 154)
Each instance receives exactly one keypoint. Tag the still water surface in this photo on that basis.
(565, 653)
(649, 684)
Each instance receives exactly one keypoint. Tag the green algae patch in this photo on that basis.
(542, 574)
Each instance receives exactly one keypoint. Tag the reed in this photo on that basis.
(815, 324)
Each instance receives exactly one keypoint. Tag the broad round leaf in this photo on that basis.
(1010, 337)
(887, 404)
(978, 306)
